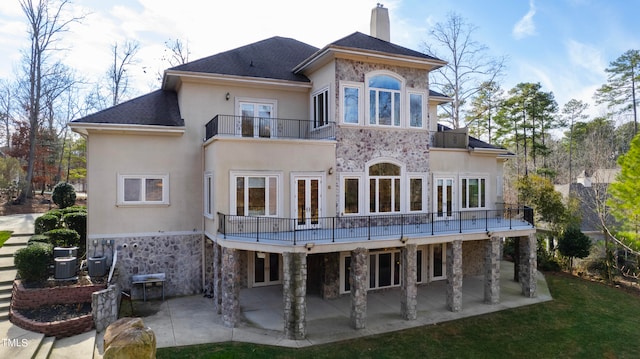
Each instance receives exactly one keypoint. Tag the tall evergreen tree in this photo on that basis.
(625, 192)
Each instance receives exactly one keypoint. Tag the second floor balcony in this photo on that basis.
(299, 231)
(266, 127)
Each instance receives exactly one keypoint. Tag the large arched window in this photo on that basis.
(384, 100)
(384, 188)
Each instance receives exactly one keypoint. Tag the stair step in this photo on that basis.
(4, 314)
(4, 306)
(44, 350)
(77, 346)
(6, 288)
(7, 276)
(6, 263)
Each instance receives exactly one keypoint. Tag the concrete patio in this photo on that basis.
(192, 320)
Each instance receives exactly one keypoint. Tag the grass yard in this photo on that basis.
(4, 235)
(585, 320)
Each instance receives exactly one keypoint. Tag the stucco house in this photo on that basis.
(323, 171)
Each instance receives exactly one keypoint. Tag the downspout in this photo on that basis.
(204, 237)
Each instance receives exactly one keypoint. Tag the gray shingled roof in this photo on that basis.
(358, 40)
(159, 108)
(273, 58)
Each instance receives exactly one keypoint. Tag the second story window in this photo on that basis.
(384, 100)
(321, 108)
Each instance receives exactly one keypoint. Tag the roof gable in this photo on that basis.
(273, 58)
(159, 108)
(358, 40)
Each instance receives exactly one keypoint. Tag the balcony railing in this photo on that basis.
(295, 231)
(264, 127)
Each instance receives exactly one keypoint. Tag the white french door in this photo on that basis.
(256, 119)
(444, 197)
(307, 198)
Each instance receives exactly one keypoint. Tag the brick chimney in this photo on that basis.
(380, 23)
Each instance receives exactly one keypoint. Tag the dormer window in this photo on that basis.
(384, 100)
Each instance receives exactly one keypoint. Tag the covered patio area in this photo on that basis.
(193, 320)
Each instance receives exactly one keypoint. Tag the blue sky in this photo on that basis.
(563, 44)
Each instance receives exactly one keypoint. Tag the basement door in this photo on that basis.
(307, 198)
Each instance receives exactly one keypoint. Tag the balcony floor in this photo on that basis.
(443, 228)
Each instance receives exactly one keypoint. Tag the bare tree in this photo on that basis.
(572, 112)
(176, 52)
(123, 58)
(46, 23)
(6, 109)
(468, 63)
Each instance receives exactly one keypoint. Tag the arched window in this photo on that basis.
(384, 100)
(384, 188)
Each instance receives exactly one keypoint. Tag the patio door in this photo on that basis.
(438, 258)
(307, 198)
(266, 269)
(256, 119)
(444, 197)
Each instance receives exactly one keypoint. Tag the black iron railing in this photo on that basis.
(263, 127)
(354, 228)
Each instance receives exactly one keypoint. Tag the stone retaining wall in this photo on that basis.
(27, 298)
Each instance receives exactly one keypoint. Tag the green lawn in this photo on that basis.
(4, 235)
(585, 320)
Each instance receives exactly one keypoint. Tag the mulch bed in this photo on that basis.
(56, 312)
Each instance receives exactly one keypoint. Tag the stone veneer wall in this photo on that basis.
(473, 253)
(208, 267)
(357, 145)
(179, 256)
(105, 306)
(331, 280)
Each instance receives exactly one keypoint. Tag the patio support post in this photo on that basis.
(454, 276)
(409, 282)
(294, 291)
(230, 287)
(217, 277)
(358, 280)
(528, 266)
(492, 271)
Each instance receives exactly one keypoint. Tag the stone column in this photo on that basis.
(331, 276)
(528, 265)
(492, 271)
(217, 277)
(230, 286)
(294, 291)
(454, 276)
(359, 280)
(409, 282)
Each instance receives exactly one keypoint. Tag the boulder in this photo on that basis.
(128, 338)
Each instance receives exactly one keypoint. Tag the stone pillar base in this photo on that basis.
(454, 276)
(358, 279)
(492, 271)
(409, 285)
(294, 291)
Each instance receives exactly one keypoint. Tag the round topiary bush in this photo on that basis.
(77, 221)
(46, 223)
(55, 212)
(32, 262)
(64, 195)
(74, 209)
(38, 238)
(64, 237)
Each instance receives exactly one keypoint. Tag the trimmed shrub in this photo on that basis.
(64, 195)
(33, 262)
(64, 237)
(74, 209)
(38, 238)
(55, 212)
(77, 221)
(46, 223)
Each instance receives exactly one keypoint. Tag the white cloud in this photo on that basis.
(525, 27)
(587, 57)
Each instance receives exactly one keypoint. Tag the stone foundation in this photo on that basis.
(230, 285)
(179, 256)
(473, 260)
(492, 270)
(331, 282)
(409, 287)
(528, 265)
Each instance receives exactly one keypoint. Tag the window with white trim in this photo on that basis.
(351, 194)
(351, 102)
(208, 194)
(416, 193)
(320, 108)
(384, 188)
(384, 100)
(416, 110)
(473, 192)
(143, 189)
(255, 194)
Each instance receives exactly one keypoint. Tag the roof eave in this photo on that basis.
(172, 76)
(84, 128)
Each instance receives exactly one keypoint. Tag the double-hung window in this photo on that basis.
(255, 195)
(416, 110)
(208, 194)
(321, 108)
(384, 100)
(351, 102)
(416, 193)
(143, 189)
(351, 194)
(473, 192)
